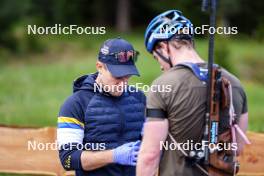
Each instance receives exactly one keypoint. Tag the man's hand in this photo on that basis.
(127, 154)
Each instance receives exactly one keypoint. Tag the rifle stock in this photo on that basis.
(223, 162)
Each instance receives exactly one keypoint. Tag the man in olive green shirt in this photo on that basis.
(181, 111)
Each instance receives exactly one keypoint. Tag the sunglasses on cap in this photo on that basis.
(125, 56)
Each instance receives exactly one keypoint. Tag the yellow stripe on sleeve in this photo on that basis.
(70, 120)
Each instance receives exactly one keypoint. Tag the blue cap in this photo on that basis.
(116, 68)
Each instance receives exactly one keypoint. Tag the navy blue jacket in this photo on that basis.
(99, 121)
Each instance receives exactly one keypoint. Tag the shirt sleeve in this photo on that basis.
(244, 98)
(156, 107)
(239, 101)
(70, 133)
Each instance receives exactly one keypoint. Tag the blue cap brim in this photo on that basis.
(122, 70)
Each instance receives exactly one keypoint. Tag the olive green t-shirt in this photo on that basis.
(185, 106)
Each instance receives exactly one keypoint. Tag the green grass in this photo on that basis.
(255, 95)
(32, 88)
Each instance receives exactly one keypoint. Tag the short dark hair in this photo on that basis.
(179, 42)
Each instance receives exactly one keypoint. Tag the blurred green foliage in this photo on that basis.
(253, 68)
(245, 14)
(259, 32)
(222, 54)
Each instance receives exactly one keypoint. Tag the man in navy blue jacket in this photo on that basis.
(99, 125)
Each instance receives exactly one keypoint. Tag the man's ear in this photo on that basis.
(163, 47)
(99, 66)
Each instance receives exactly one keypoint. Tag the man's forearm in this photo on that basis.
(93, 160)
(149, 155)
(147, 164)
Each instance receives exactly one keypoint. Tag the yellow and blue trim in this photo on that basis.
(69, 122)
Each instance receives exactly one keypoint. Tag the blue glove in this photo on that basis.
(127, 153)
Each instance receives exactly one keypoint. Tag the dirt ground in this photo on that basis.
(252, 159)
(18, 154)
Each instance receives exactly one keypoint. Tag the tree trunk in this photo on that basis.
(123, 16)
